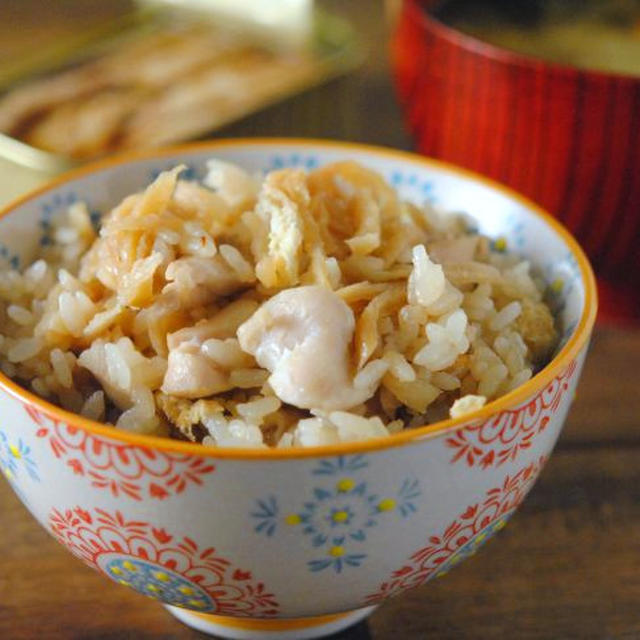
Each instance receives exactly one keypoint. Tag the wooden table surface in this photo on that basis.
(567, 566)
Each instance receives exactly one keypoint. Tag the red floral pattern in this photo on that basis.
(463, 536)
(504, 436)
(106, 540)
(120, 468)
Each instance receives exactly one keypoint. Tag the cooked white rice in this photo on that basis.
(303, 310)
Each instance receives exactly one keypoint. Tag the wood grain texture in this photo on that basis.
(566, 567)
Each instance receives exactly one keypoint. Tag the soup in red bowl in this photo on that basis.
(566, 135)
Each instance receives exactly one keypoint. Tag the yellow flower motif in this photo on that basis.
(153, 587)
(557, 285)
(117, 571)
(186, 591)
(129, 566)
(163, 577)
(387, 504)
(336, 551)
(500, 244)
(345, 485)
(293, 519)
(340, 516)
(124, 582)
(15, 452)
(196, 603)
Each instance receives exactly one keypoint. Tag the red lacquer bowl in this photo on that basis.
(567, 138)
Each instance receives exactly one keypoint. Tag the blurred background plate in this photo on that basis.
(136, 75)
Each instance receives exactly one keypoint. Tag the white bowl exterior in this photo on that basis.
(290, 537)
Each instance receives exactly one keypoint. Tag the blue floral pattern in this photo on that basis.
(15, 459)
(12, 259)
(471, 546)
(48, 210)
(155, 581)
(425, 187)
(339, 512)
(563, 277)
(297, 160)
(16, 464)
(516, 230)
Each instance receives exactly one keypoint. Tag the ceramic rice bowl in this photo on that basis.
(293, 543)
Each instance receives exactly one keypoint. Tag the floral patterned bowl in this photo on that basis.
(293, 543)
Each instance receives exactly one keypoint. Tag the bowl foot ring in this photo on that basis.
(269, 629)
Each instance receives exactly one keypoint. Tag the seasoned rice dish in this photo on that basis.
(291, 310)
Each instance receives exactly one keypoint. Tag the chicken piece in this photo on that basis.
(152, 324)
(195, 368)
(190, 374)
(121, 369)
(535, 324)
(223, 325)
(303, 337)
(201, 280)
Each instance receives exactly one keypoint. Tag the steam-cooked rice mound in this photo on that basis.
(299, 309)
